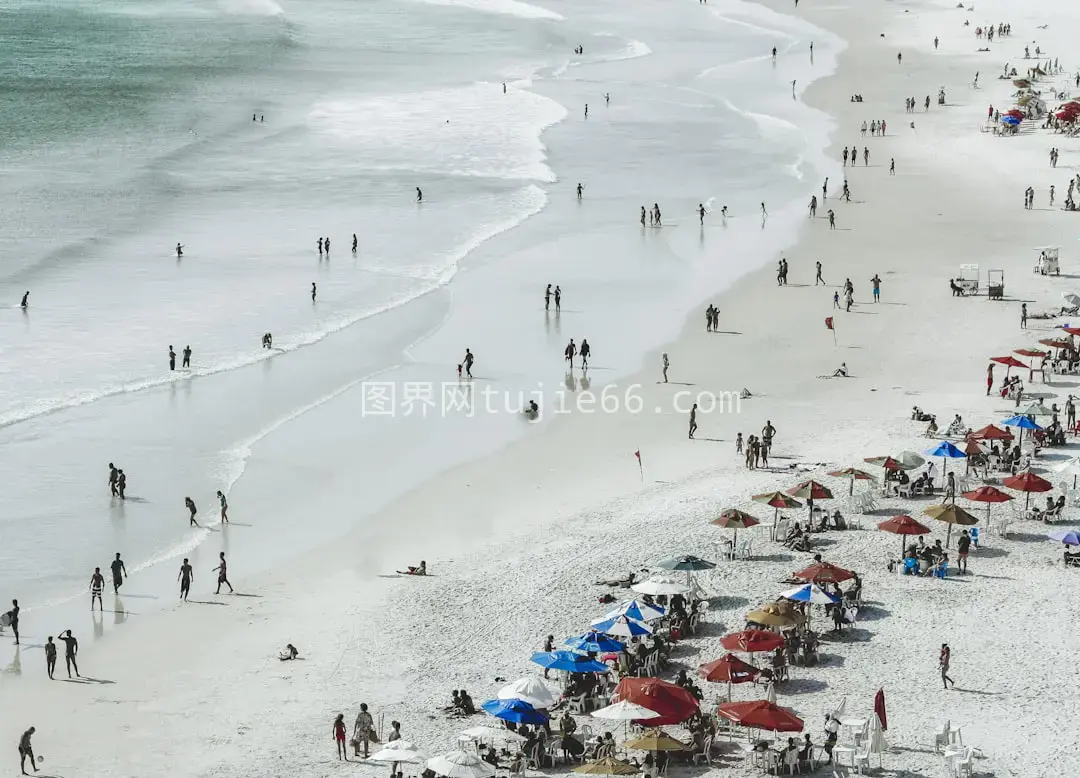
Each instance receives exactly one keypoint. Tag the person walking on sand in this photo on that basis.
(813, 206)
(944, 658)
(224, 507)
(71, 650)
(693, 421)
(899, 57)
(119, 573)
(892, 166)
(27, 751)
(963, 546)
(817, 278)
(666, 365)
(362, 730)
(190, 503)
(570, 352)
(222, 574)
(50, 657)
(114, 476)
(989, 378)
(547, 297)
(468, 362)
(738, 443)
(580, 190)
(97, 584)
(865, 156)
(585, 351)
(320, 247)
(186, 576)
(172, 358)
(13, 619)
(832, 220)
(764, 213)
(701, 211)
(836, 299)
(877, 287)
(179, 251)
(1023, 316)
(339, 737)
(121, 483)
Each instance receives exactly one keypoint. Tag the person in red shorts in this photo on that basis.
(339, 736)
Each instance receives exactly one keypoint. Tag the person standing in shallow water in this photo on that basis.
(314, 291)
(172, 358)
(190, 503)
(224, 507)
(187, 357)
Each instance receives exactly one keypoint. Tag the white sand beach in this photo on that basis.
(515, 540)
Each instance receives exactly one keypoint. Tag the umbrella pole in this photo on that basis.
(948, 536)
(851, 487)
(902, 549)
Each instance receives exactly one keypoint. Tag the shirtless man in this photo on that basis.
(119, 572)
(185, 577)
(70, 651)
(97, 583)
(223, 577)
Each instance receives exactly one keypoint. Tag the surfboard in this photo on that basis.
(5, 620)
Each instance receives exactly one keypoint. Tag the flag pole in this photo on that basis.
(641, 469)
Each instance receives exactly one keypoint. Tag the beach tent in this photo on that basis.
(1069, 537)
(460, 764)
(730, 669)
(1023, 423)
(490, 734)
(658, 585)
(946, 450)
(990, 432)
(623, 627)
(910, 460)
(397, 751)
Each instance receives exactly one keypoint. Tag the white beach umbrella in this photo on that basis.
(910, 460)
(635, 609)
(660, 584)
(1071, 298)
(878, 744)
(460, 764)
(624, 711)
(492, 733)
(530, 690)
(399, 745)
(838, 712)
(393, 755)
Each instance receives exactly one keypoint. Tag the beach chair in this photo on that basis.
(743, 549)
(577, 704)
(941, 737)
(782, 528)
(965, 765)
(941, 570)
(706, 752)
(905, 490)
(861, 758)
(791, 762)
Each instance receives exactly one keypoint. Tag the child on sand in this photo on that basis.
(339, 737)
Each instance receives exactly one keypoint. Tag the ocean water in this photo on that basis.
(126, 127)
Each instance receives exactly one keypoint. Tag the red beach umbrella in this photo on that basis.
(735, 520)
(777, 500)
(972, 448)
(1029, 352)
(988, 495)
(823, 572)
(761, 714)
(887, 462)
(1072, 330)
(810, 490)
(750, 641)
(853, 475)
(903, 525)
(1010, 362)
(1028, 482)
(879, 709)
(990, 432)
(673, 703)
(1055, 342)
(729, 668)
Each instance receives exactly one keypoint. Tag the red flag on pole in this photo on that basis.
(641, 470)
(828, 323)
(879, 709)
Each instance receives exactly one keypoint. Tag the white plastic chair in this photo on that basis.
(782, 528)
(965, 765)
(743, 550)
(941, 737)
(791, 762)
(861, 758)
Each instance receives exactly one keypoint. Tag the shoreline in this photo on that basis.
(572, 467)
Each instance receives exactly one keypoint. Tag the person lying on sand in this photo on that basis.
(841, 372)
(288, 653)
(419, 570)
(630, 580)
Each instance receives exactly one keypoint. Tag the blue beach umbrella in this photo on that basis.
(514, 710)
(1012, 121)
(1023, 423)
(946, 450)
(636, 610)
(1069, 537)
(810, 593)
(568, 661)
(622, 626)
(594, 642)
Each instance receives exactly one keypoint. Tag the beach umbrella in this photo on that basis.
(973, 448)
(655, 740)
(1069, 537)
(593, 642)
(852, 475)
(728, 668)
(686, 564)
(460, 764)
(623, 627)
(988, 495)
(761, 714)
(910, 460)
(751, 641)
(946, 450)
(625, 711)
(1036, 409)
(823, 572)
(878, 744)
(394, 755)
(736, 520)
(607, 765)
(771, 615)
(811, 490)
(1009, 362)
(530, 690)
(1023, 423)
(879, 709)
(514, 710)
(567, 661)
(1073, 300)
(777, 500)
(489, 733)
(673, 703)
(1028, 482)
(1072, 463)
(1012, 121)
(810, 593)
(1029, 352)
(887, 462)
(1056, 342)
(903, 525)
(637, 610)
(660, 584)
(990, 432)
(950, 514)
